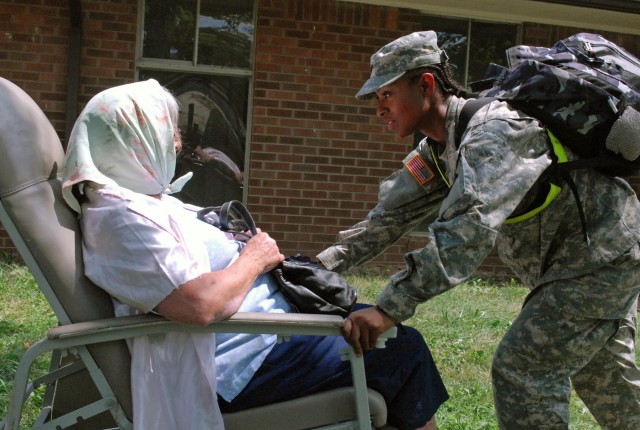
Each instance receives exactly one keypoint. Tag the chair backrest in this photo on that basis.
(46, 231)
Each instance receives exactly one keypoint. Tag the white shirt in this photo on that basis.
(139, 249)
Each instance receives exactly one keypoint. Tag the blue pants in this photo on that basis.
(403, 372)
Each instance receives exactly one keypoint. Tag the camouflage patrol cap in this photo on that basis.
(394, 59)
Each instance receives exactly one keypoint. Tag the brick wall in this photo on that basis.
(33, 52)
(34, 48)
(317, 154)
(109, 43)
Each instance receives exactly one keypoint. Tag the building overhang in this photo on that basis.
(619, 16)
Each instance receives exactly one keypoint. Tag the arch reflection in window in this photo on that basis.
(212, 120)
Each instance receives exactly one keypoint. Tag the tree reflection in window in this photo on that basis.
(169, 29)
(225, 33)
(471, 45)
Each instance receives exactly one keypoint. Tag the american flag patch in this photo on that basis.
(419, 169)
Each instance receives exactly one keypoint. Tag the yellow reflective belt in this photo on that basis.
(554, 190)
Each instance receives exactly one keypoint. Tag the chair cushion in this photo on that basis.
(307, 412)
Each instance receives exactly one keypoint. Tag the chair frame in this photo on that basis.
(76, 336)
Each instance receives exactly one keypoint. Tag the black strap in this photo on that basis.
(232, 213)
(468, 110)
(566, 177)
(232, 216)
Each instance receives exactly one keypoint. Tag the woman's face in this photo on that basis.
(401, 105)
(177, 141)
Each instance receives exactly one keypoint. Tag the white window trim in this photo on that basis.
(519, 11)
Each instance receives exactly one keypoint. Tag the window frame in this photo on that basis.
(469, 23)
(191, 67)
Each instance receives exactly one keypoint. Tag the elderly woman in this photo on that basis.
(150, 253)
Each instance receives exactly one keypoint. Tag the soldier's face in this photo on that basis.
(401, 107)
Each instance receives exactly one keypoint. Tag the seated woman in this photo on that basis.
(150, 253)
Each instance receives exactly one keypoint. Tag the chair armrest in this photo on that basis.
(112, 329)
(282, 324)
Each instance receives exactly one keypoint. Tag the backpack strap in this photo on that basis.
(561, 166)
(468, 110)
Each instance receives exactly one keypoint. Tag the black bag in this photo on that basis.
(307, 286)
(310, 288)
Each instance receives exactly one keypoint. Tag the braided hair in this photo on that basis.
(444, 79)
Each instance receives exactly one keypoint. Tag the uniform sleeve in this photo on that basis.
(137, 259)
(491, 179)
(404, 201)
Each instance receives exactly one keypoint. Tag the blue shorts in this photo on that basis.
(404, 373)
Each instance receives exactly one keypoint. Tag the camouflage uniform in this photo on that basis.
(578, 322)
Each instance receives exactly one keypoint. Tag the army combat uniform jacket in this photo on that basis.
(466, 195)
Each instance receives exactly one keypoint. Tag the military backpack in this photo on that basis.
(586, 91)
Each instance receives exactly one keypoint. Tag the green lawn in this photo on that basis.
(462, 328)
(25, 317)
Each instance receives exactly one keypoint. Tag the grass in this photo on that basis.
(462, 328)
(25, 317)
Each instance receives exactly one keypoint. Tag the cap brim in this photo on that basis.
(375, 83)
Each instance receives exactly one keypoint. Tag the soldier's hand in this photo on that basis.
(363, 327)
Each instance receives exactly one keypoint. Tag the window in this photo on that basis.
(472, 45)
(202, 51)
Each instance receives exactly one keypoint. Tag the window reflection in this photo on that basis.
(213, 111)
(225, 33)
(169, 29)
(471, 45)
(452, 37)
(208, 46)
(489, 42)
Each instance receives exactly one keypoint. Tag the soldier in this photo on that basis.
(578, 324)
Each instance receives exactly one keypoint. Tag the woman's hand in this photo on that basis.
(263, 251)
(214, 296)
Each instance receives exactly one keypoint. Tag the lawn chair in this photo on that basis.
(88, 385)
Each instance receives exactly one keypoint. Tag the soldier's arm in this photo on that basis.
(408, 197)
